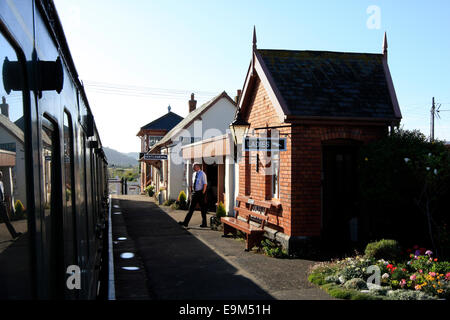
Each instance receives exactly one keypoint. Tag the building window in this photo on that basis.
(152, 140)
(8, 146)
(276, 176)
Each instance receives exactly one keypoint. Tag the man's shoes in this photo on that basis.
(181, 223)
(203, 226)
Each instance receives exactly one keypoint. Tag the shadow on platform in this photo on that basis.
(177, 264)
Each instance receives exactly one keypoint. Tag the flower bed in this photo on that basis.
(417, 276)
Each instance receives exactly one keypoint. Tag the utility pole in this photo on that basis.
(433, 114)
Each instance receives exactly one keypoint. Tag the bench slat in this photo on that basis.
(259, 203)
(241, 225)
(252, 213)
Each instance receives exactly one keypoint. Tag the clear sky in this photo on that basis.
(136, 57)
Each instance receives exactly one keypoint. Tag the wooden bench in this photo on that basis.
(253, 234)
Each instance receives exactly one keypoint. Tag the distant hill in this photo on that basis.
(120, 159)
(133, 155)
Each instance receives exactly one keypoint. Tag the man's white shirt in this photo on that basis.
(201, 180)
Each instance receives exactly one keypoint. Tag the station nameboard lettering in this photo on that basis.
(155, 157)
(265, 144)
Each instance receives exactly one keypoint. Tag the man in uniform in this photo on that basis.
(198, 189)
(3, 211)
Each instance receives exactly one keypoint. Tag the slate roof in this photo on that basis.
(20, 123)
(12, 128)
(331, 84)
(191, 117)
(166, 122)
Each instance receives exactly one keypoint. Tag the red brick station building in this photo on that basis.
(326, 104)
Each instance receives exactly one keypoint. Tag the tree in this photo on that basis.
(404, 184)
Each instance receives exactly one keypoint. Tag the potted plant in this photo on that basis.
(150, 190)
(215, 220)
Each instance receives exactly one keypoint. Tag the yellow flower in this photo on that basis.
(424, 284)
(440, 291)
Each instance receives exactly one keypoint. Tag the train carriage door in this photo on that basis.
(16, 178)
(52, 215)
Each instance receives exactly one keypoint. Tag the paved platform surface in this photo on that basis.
(179, 264)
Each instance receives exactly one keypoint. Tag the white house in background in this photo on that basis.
(12, 143)
(209, 121)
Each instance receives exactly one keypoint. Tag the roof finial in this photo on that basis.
(385, 45)
(169, 108)
(254, 38)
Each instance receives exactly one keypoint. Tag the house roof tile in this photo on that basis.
(331, 84)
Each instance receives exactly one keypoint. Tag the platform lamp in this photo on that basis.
(238, 128)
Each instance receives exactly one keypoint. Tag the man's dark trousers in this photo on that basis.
(197, 198)
(5, 219)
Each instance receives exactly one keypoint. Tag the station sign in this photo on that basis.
(265, 144)
(155, 157)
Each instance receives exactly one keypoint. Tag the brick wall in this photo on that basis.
(307, 169)
(300, 166)
(257, 184)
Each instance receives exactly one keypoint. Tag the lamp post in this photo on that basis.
(239, 128)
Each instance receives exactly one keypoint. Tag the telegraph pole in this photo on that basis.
(433, 114)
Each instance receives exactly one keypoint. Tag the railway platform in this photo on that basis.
(155, 258)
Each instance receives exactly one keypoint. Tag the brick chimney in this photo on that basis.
(238, 96)
(192, 103)
(4, 108)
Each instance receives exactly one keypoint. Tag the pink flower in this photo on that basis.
(403, 283)
(433, 274)
(417, 287)
(429, 252)
(447, 276)
(420, 271)
(413, 277)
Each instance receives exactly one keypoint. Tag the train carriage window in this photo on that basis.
(71, 223)
(15, 250)
(53, 220)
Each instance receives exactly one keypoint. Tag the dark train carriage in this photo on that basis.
(53, 166)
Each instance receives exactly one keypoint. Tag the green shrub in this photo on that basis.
(19, 211)
(317, 278)
(221, 212)
(441, 267)
(356, 283)
(273, 249)
(384, 249)
(332, 279)
(409, 295)
(168, 203)
(182, 201)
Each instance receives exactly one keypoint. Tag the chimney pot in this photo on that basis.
(238, 96)
(192, 103)
(4, 108)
